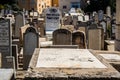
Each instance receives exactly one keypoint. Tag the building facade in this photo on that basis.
(65, 6)
(37, 5)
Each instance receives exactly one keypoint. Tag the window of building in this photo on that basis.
(75, 4)
(64, 7)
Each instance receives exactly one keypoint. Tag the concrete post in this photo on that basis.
(117, 33)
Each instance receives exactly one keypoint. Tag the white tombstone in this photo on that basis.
(52, 19)
(86, 18)
(80, 18)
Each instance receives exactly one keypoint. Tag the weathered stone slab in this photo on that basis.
(65, 70)
(62, 37)
(7, 74)
(96, 41)
(31, 41)
(59, 58)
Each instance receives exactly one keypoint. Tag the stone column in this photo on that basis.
(117, 41)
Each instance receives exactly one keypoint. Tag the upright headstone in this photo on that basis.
(19, 22)
(100, 15)
(31, 41)
(96, 17)
(117, 33)
(41, 27)
(5, 39)
(62, 37)
(2, 12)
(78, 38)
(104, 25)
(86, 17)
(80, 18)
(52, 19)
(108, 11)
(95, 38)
(108, 22)
(113, 29)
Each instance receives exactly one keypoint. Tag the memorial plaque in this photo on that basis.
(5, 40)
(62, 37)
(5, 37)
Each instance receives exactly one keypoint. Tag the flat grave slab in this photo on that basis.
(67, 58)
(111, 57)
(69, 64)
(6, 74)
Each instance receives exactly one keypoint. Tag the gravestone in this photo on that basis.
(100, 15)
(96, 17)
(108, 11)
(95, 38)
(5, 39)
(52, 19)
(41, 27)
(31, 41)
(108, 22)
(113, 29)
(2, 12)
(78, 38)
(75, 19)
(62, 37)
(104, 25)
(80, 18)
(86, 17)
(19, 22)
(67, 20)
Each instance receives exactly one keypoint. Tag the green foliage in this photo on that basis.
(1, 6)
(96, 5)
(9, 4)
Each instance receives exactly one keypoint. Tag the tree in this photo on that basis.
(96, 5)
